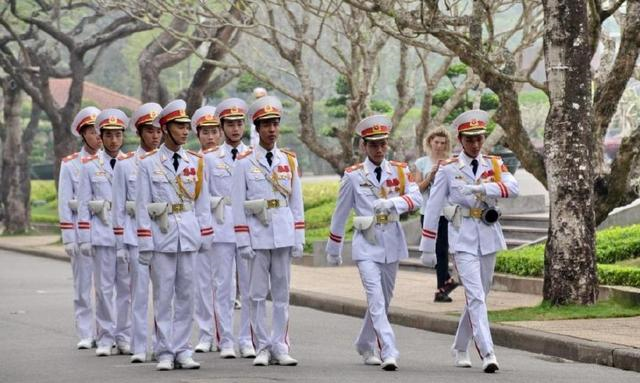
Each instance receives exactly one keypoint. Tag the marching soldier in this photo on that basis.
(269, 225)
(468, 188)
(82, 267)
(379, 191)
(124, 223)
(97, 239)
(220, 166)
(174, 222)
(207, 128)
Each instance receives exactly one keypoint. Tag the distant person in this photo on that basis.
(437, 145)
(468, 188)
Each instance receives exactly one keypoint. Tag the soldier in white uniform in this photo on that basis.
(97, 239)
(269, 225)
(379, 191)
(124, 222)
(82, 267)
(174, 222)
(206, 126)
(220, 166)
(468, 188)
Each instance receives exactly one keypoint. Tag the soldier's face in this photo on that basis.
(91, 136)
(209, 136)
(112, 140)
(179, 131)
(376, 150)
(268, 130)
(150, 137)
(233, 130)
(472, 145)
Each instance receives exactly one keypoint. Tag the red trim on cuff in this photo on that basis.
(428, 234)
(409, 202)
(335, 238)
(503, 190)
(241, 228)
(66, 225)
(144, 233)
(206, 231)
(83, 225)
(299, 225)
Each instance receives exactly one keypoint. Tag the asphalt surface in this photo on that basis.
(38, 345)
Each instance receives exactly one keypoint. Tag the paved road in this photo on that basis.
(38, 346)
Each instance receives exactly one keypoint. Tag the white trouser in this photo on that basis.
(476, 275)
(378, 280)
(270, 267)
(139, 302)
(112, 313)
(204, 268)
(82, 269)
(227, 264)
(173, 280)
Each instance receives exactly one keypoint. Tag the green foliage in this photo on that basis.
(619, 275)
(527, 261)
(337, 111)
(247, 83)
(319, 193)
(342, 86)
(618, 243)
(533, 97)
(441, 96)
(547, 311)
(381, 106)
(43, 191)
(489, 101)
(456, 70)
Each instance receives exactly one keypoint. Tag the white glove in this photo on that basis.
(70, 249)
(86, 249)
(122, 256)
(145, 258)
(334, 259)
(246, 252)
(296, 251)
(381, 205)
(428, 258)
(472, 189)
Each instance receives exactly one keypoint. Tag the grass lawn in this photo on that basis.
(545, 311)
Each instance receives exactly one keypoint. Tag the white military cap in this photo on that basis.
(265, 107)
(231, 109)
(259, 92)
(176, 111)
(112, 119)
(471, 123)
(375, 127)
(145, 114)
(205, 116)
(86, 116)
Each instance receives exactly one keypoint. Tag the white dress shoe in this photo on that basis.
(228, 353)
(389, 364)
(124, 348)
(139, 358)
(247, 352)
(187, 363)
(165, 365)
(371, 359)
(203, 347)
(262, 359)
(85, 344)
(490, 363)
(461, 358)
(214, 348)
(284, 360)
(103, 351)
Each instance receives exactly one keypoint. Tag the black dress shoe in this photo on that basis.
(449, 286)
(441, 297)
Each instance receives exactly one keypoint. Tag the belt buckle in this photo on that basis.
(273, 203)
(382, 218)
(177, 208)
(475, 213)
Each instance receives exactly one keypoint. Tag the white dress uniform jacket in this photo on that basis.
(359, 188)
(188, 229)
(252, 180)
(125, 175)
(473, 235)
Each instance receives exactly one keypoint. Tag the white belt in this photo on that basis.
(174, 208)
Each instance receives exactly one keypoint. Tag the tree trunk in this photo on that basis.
(570, 268)
(15, 164)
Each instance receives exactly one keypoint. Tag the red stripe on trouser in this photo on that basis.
(215, 319)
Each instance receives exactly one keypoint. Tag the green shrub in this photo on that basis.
(43, 190)
(619, 275)
(527, 261)
(618, 243)
(319, 193)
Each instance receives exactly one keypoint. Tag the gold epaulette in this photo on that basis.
(71, 157)
(354, 167)
(210, 150)
(194, 153)
(491, 157)
(398, 163)
(147, 154)
(288, 152)
(245, 153)
(125, 156)
(449, 161)
(89, 158)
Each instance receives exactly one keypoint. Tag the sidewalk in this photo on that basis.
(613, 342)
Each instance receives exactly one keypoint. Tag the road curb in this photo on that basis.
(561, 346)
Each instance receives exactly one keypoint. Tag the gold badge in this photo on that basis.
(153, 114)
